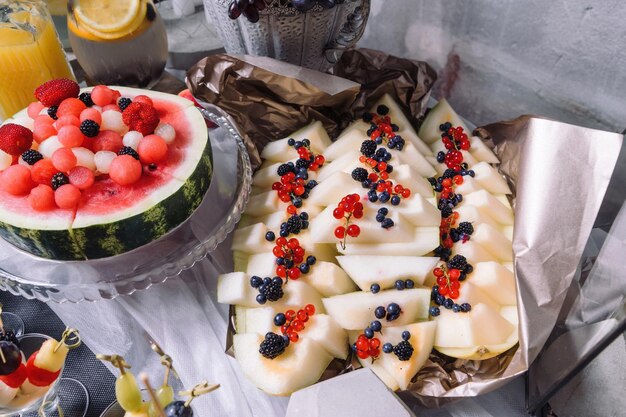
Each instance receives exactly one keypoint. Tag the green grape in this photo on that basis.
(165, 394)
(127, 392)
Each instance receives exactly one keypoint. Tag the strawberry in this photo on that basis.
(15, 139)
(141, 117)
(53, 92)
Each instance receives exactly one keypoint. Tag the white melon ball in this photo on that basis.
(85, 158)
(99, 108)
(103, 160)
(6, 393)
(5, 160)
(132, 139)
(27, 122)
(44, 111)
(167, 132)
(112, 120)
(48, 146)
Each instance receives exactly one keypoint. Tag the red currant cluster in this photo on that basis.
(366, 348)
(293, 322)
(382, 130)
(305, 153)
(348, 207)
(445, 226)
(290, 254)
(289, 186)
(448, 281)
(454, 139)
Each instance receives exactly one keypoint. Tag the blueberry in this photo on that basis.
(375, 288)
(305, 224)
(255, 282)
(466, 307)
(289, 263)
(468, 269)
(261, 299)
(458, 198)
(310, 260)
(280, 319)
(395, 200)
(372, 196)
(280, 261)
(448, 303)
(387, 348)
(387, 223)
(399, 285)
(304, 268)
(376, 326)
(406, 335)
(291, 141)
(384, 196)
(389, 168)
(391, 144)
(409, 283)
(456, 308)
(366, 184)
(380, 217)
(471, 173)
(270, 236)
(353, 347)
(393, 308)
(297, 202)
(432, 180)
(378, 140)
(383, 210)
(311, 184)
(368, 332)
(367, 117)
(438, 188)
(434, 311)
(298, 144)
(392, 317)
(380, 312)
(382, 110)
(395, 127)
(441, 156)
(304, 215)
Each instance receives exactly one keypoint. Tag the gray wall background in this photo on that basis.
(497, 59)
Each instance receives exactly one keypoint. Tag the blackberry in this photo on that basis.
(52, 112)
(127, 150)
(9, 336)
(31, 156)
(58, 180)
(89, 128)
(123, 103)
(457, 262)
(382, 110)
(359, 174)
(368, 148)
(86, 98)
(284, 169)
(273, 345)
(272, 291)
(302, 163)
(403, 350)
(446, 212)
(294, 224)
(465, 227)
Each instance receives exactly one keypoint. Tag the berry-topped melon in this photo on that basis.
(96, 173)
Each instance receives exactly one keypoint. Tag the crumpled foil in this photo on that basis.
(559, 174)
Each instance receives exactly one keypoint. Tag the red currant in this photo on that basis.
(454, 294)
(310, 309)
(293, 337)
(290, 314)
(294, 273)
(278, 252)
(281, 271)
(458, 180)
(299, 190)
(362, 354)
(297, 325)
(406, 193)
(354, 230)
(374, 343)
(362, 344)
(454, 274)
(291, 209)
(438, 272)
(357, 214)
(319, 159)
(340, 232)
(441, 281)
(303, 316)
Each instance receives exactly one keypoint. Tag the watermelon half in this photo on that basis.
(112, 219)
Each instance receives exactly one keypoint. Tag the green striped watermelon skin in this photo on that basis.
(51, 244)
(105, 240)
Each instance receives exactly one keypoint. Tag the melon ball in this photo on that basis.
(67, 196)
(48, 146)
(107, 140)
(167, 132)
(41, 198)
(85, 158)
(16, 180)
(64, 159)
(70, 136)
(152, 149)
(132, 139)
(125, 170)
(43, 131)
(34, 109)
(102, 95)
(112, 120)
(103, 161)
(91, 114)
(68, 120)
(5, 160)
(81, 177)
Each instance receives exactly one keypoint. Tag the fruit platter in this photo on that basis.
(107, 190)
(373, 250)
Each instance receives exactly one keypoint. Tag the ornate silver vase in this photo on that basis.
(315, 39)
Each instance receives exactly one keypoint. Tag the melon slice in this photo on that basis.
(407, 176)
(301, 365)
(328, 279)
(255, 320)
(355, 311)
(380, 372)
(410, 155)
(490, 179)
(493, 241)
(234, 288)
(473, 252)
(416, 209)
(330, 191)
(481, 151)
(495, 280)
(280, 151)
(488, 204)
(425, 240)
(251, 239)
(429, 130)
(346, 162)
(349, 140)
(262, 204)
(366, 270)
(471, 214)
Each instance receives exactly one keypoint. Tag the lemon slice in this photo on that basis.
(107, 16)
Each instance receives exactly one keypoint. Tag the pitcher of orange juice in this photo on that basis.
(30, 53)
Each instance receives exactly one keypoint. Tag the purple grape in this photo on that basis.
(12, 357)
(259, 4)
(252, 14)
(327, 4)
(242, 4)
(233, 11)
(303, 5)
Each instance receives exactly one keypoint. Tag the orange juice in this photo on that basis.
(30, 53)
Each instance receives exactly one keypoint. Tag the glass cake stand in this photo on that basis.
(61, 281)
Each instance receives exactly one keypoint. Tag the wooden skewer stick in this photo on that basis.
(200, 389)
(153, 396)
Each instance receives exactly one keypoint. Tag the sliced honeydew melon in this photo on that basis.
(355, 311)
(509, 265)
(425, 240)
(507, 231)
(279, 150)
(329, 279)
(383, 270)
(323, 228)
(504, 199)
(262, 264)
(235, 288)
(301, 365)
(410, 155)
(481, 151)
(333, 189)
(377, 368)
(473, 295)
(486, 203)
(473, 252)
(471, 214)
(349, 140)
(255, 320)
(251, 239)
(407, 177)
(264, 203)
(493, 241)
(346, 162)
(240, 260)
(442, 112)
(490, 179)
(418, 210)
(496, 280)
